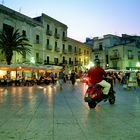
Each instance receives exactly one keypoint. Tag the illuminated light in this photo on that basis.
(44, 89)
(138, 64)
(2, 73)
(32, 60)
(91, 64)
(40, 87)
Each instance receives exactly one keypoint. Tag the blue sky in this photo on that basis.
(86, 18)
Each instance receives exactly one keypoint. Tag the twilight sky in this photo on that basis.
(85, 18)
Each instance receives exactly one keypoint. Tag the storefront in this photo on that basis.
(12, 71)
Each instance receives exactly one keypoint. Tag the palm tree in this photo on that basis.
(11, 41)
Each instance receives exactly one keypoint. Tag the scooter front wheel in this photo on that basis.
(92, 104)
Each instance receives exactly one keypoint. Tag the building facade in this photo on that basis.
(124, 57)
(116, 52)
(49, 40)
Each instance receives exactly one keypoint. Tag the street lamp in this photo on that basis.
(32, 60)
(91, 64)
(138, 65)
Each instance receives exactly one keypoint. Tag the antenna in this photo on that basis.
(20, 9)
(2, 2)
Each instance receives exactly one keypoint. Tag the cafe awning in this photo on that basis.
(33, 68)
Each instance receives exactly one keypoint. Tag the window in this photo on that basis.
(79, 50)
(37, 39)
(69, 48)
(129, 52)
(24, 33)
(69, 60)
(63, 60)
(55, 44)
(37, 57)
(130, 55)
(48, 41)
(7, 27)
(115, 52)
(63, 34)
(84, 52)
(48, 27)
(100, 46)
(63, 47)
(55, 30)
(96, 56)
(48, 59)
(138, 55)
(75, 49)
(56, 61)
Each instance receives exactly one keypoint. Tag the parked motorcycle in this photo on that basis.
(94, 95)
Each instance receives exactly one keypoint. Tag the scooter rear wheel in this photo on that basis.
(112, 100)
(92, 104)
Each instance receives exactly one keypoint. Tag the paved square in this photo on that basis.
(48, 113)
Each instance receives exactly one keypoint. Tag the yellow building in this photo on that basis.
(50, 44)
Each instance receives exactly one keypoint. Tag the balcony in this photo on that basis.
(131, 57)
(138, 57)
(49, 32)
(76, 52)
(57, 36)
(57, 49)
(114, 57)
(64, 38)
(80, 53)
(49, 47)
(70, 51)
(64, 51)
(39, 61)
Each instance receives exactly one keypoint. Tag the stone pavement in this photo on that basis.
(48, 113)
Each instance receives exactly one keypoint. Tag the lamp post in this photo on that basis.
(138, 65)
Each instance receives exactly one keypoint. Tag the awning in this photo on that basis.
(33, 68)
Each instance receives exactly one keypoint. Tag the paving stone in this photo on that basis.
(48, 113)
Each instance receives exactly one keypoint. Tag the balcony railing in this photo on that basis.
(64, 38)
(49, 47)
(76, 52)
(131, 57)
(114, 57)
(80, 53)
(64, 51)
(138, 57)
(70, 51)
(49, 32)
(57, 49)
(39, 61)
(57, 36)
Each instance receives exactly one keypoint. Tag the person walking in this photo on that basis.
(61, 79)
(73, 77)
(52, 76)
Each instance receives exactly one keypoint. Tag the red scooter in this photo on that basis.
(94, 95)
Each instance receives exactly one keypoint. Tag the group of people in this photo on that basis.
(96, 75)
(62, 78)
